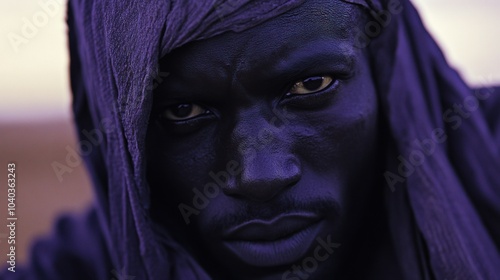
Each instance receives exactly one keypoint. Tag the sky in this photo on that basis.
(34, 82)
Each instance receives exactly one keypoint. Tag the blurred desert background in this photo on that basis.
(35, 106)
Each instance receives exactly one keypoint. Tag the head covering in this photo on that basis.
(444, 215)
(453, 193)
(115, 51)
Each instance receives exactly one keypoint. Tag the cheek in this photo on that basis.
(339, 148)
(177, 166)
(342, 138)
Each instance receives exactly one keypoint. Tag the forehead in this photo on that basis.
(309, 27)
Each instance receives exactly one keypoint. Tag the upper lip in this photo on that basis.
(269, 230)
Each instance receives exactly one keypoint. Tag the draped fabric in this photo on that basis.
(119, 44)
(454, 190)
(443, 203)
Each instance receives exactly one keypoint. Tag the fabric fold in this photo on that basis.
(447, 203)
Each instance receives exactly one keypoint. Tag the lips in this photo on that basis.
(279, 241)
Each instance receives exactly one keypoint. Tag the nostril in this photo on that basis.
(293, 169)
(265, 177)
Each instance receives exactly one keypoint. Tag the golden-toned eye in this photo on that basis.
(311, 85)
(181, 112)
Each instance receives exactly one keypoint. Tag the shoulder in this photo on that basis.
(75, 250)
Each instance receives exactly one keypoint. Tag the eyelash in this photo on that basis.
(314, 99)
(180, 127)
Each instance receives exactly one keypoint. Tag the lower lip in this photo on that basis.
(278, 252)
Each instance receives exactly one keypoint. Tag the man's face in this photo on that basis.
(262, 144)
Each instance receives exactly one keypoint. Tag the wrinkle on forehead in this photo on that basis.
(310, 20)
(238, 62)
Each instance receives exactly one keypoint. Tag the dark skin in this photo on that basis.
(286, 116)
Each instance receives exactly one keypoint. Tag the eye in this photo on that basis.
(184, 111)
(310, 85)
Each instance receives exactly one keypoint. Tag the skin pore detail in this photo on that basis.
(266, 140)
(288, 112)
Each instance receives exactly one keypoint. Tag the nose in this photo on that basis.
(267, 164)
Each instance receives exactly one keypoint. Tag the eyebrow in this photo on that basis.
(315, 58)
(323, 56)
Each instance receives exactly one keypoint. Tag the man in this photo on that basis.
(276, 140)
(264, 135)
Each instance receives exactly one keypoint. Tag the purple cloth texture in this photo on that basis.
(454, 194)
(119, 44)
(444, 216)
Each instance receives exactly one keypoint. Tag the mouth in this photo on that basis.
(280, 241)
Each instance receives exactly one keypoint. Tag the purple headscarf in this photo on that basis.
(444, 207)
(116, 47)
(453, 193)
